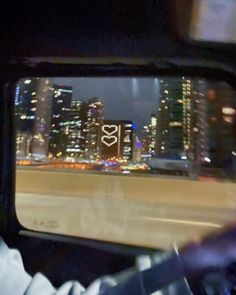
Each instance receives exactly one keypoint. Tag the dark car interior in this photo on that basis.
(38, 37)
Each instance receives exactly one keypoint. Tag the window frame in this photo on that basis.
(11, 74)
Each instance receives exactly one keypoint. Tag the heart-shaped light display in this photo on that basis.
(109, 140)
(109, 129)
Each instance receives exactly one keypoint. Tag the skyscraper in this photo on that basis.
(25, 104)
(33, 110)
(95, 117)
(61, 102)
(170, 132)
(149, 137)
(117, 140)
(145, 137)
(137, 149)
(128, 140)
(221, 123)
(198, 144)
(25, 108)
(74, 127)
(42, 125)
(181, 119)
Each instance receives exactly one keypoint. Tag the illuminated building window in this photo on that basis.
(228, 119)
(228, 111)
(175, 124)
(213, 119)
(211, 94)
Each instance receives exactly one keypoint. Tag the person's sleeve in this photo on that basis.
(13, 277)
(150, 274)
(14, 280)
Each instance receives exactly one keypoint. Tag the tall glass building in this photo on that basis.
(95, 118)
(61, 102)
(33, 112)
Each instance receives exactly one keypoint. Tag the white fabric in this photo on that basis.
(40, 285)
(14, 280)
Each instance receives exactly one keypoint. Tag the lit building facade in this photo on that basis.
(42, 124)
(146, 134)
(25, 104)
(61, 103)
(170, 131)
(127, 141)
(74, 127)
(149, 137)
(33, 110)
(137, 150)
(23, 144)
(93, 128)
(117, 140)
(221, 123)
(181, 119)
(198, 142)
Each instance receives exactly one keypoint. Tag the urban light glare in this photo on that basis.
(208, 160)
(135, 86)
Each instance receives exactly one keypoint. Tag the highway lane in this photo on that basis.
(143, 211)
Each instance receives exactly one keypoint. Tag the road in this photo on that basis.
(144, 211)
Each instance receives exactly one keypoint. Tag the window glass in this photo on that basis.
(137, 160)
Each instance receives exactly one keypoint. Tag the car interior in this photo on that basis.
(104, 39)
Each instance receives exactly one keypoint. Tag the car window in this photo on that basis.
(144, 161)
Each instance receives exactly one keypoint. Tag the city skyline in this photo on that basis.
(186, 118)
(138, 97)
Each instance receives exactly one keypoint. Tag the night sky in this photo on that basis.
(124, 98)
